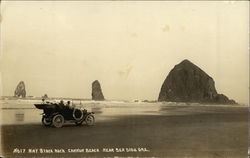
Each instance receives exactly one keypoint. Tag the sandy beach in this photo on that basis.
(166, 131)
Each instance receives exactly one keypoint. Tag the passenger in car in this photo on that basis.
(61, 105)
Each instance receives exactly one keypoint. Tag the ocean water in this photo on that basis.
(24, 112)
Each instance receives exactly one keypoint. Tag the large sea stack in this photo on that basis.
(20, 90)
(186, 82)
(97, 91)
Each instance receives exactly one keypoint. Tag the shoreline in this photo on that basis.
(11, 98)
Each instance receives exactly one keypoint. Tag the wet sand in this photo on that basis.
(213, 134)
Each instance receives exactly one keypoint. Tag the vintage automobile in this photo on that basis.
(56, 114)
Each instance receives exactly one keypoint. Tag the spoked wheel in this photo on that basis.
(90, 120)
(58, 120)
(46, 121)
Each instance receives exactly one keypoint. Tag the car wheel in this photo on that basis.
(77, 114)
(46, 121)
(90, 120)
(58, 120)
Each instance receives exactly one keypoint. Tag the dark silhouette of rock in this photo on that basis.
(186, 82)
(20, 90)
(97, 91)
(222, 99)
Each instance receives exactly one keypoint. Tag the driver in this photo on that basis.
(68, 105)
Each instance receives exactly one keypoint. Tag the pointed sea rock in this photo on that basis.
(97, 91)
(20, 90)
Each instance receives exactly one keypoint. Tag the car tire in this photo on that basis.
(58, 121)
(46, 122)
(90, 120)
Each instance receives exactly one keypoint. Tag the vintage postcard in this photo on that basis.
(124, 79)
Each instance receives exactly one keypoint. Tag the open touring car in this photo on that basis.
(56, 114)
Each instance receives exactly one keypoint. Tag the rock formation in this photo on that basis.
(97, 91)
(186, 82)
(20, 90)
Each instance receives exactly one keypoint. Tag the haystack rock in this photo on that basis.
(97, 91)
(186, 82)
(20, 90)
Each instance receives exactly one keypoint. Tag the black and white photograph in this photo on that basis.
(124, 79)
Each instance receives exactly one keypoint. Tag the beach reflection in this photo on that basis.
(19, 116)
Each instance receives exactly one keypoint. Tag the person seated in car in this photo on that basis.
(61, 105)
(68, 105)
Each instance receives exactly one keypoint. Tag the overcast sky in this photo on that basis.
(61, 47)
